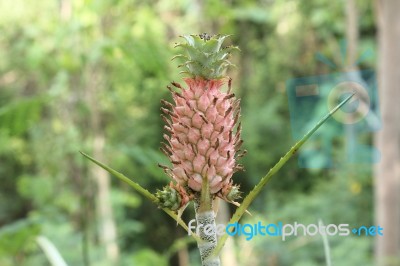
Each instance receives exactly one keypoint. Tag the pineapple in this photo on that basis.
(202, 143)
(203, 134)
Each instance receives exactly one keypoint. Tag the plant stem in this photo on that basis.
(327, 249)
(206, 229)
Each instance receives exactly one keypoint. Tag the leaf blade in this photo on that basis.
(144, 192)
(264, 180)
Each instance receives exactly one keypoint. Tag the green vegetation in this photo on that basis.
(89, 75)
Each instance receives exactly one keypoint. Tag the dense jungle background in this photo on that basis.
(82, 75)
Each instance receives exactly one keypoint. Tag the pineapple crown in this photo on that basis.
(205, 56)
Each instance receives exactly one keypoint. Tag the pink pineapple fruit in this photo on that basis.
(203, 132)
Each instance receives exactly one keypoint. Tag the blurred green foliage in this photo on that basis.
(52, 62)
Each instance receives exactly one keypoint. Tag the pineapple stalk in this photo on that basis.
(205, 217)
(208, 241)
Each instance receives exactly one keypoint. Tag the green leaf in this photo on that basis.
(257, 189)
(144, 192)
(52, 253)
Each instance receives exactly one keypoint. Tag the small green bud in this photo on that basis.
(169, 198)
(234, 193)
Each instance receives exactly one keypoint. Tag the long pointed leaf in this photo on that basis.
(141, 190)
(257, 189)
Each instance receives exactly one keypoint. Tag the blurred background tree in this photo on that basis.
(387, 177)
(89, 75)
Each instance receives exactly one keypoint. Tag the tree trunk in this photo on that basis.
(351, 34)
(107, 227)
(387, 175)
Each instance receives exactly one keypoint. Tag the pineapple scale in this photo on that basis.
(202, 143)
